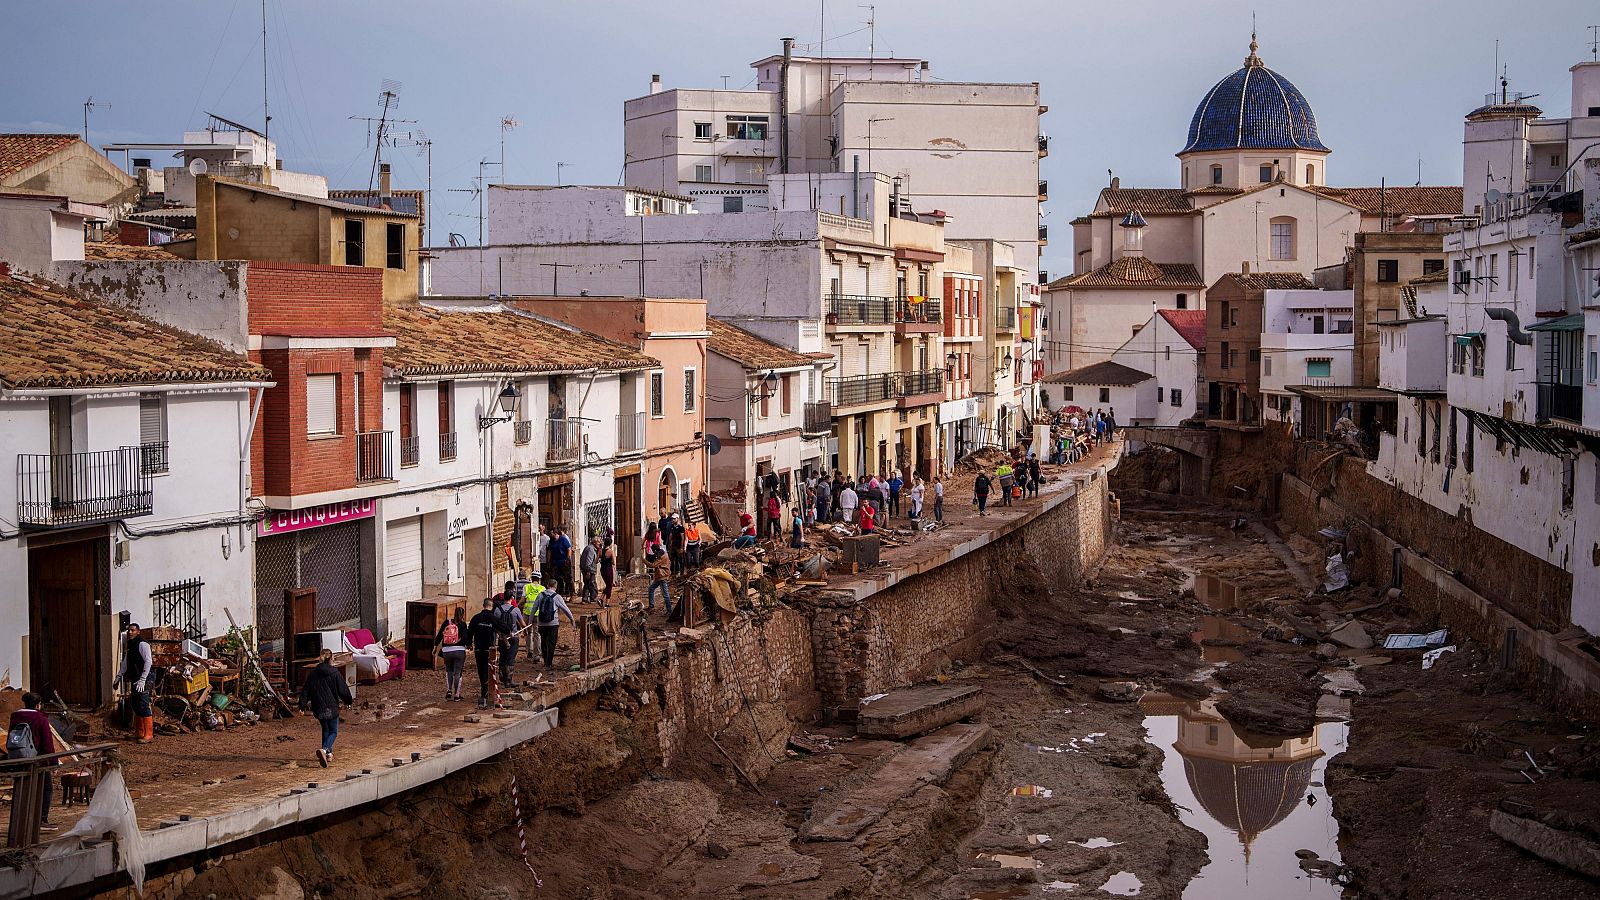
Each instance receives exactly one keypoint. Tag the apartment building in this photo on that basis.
(1235, 313)
(965, 324)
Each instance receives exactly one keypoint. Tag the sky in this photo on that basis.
(1389, 81)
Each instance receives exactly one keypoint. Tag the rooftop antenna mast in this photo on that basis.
(872, 33)
(507, 123)
(89, 106)
(1594, 42)
(419, 139)
(266, 111)
(389, 96)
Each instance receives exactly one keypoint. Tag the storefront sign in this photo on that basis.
(957, 410)
(286, 520)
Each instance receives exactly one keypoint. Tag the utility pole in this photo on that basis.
(88, 106)
(266, 110)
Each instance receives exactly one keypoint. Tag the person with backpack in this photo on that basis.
(324, 690)
(482, 633)
(135, 673)
(450, 645)
(659, 565)
(511, 623)
(980, 492)
(28, 734)
(547, 619)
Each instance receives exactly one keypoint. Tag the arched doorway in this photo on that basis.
(667, 492)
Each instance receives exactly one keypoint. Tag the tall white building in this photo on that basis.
(969, 149)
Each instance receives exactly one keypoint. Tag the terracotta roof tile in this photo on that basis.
(1270, 281)
(18, 151)
(1190, 324)
(1439, 277)
(1399, 201)
(433, 342)
(55, 340)
(109, 250)
(1107, 373)
(749, 350)
(1136, 272)
(1149, 201)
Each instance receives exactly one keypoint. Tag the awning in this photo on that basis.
(1342, 393)
(1573, 322)
(1469, 337)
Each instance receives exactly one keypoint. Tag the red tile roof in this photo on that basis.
(1399, 201)
(53, 339)
(1100, 373)
(18, 151)
(1136, 272)
(751, 351)
(1269, 281)
(1190, 324)
(432, 342)
(1149, 201)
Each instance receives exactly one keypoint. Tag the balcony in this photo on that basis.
(860, 309)
(1044, 191)
(919, 388)
(64, 490)
(522, 432)
(630, 432)
(1560, 401)
(1005, 318)
(447, 447)
(819, 417)
(374, 456)
(1044, 235)
(917, 318)
(859, 390)
(566, 441)
(410, 451)
(1044, 145)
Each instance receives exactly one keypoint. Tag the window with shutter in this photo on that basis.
(322, 404)
(656, 392)
(688, 390)
(153, 433)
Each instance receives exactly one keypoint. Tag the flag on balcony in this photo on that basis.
(916, 299)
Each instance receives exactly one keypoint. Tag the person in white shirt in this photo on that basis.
(938, 499)
(847, 503)
(917, 492)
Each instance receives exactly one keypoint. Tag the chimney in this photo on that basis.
(655, 84)
(922, 70)
(1115, 182)
(384, 191)
(1244, 267)
(278, 164)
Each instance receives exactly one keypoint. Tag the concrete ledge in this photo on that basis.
(915, 710)
(88, 864)
(927, 760)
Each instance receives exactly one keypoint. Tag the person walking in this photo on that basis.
(135, 673)
(895, 484)
(938, 499)
(542, 553)
(28, 734)
(847, 504)
(483, 632)
(511, 623)
(1004, 474)
(917, 493)
(325, 689)
(450, 645)
(659, 564)
(1033, 477)
(608, 562)
(676, 537)
(546, 618)
(692, 545)
(774, 517)
(824, 499)
(589, 568)
(980, 492)
(797, 527)
(561, 557)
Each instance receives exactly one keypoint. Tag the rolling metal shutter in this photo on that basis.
(402, 561)
(322, 404)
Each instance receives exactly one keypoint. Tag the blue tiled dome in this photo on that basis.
(1255, 108)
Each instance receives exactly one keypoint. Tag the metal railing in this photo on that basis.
(911, 384)
(1044, 145)
(374, 456)
(818, 417)
(927, 312)
(1560, 401)
(447, 447)
(630, 431)
(410, 451)
(566, 440)
(1005, 318)
(860, 309)
(522, 432)
(854, 390)
(153, 458)
(63, 489)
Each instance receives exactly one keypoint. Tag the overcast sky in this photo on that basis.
(1389, 81)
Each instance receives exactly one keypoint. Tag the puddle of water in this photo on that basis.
(1214, 591)
(1249, 802)
(1219, 628)
(1012, 861)
(1124, 884)
(1095, 843)
(1061, 886)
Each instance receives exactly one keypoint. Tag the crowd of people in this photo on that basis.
(868, 502)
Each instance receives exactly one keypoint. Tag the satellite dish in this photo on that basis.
(713, 444)
(197, 167)
(1493, 196)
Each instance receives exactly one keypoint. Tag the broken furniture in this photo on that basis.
(366, 666)
(597, 635)
(424, 618)
(859, 552)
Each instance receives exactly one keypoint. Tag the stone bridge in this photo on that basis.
(1196, 447)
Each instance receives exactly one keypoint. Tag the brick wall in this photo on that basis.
(288, 461)
(308, 300)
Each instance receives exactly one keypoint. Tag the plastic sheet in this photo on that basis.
(111, 811)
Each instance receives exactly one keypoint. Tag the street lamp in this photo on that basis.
(507, 400)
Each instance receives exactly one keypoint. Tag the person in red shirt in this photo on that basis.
(43, 742)
(868, 517)
(774, 517)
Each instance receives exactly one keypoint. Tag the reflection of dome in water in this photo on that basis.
(1249, 797)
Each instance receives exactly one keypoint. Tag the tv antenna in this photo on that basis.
(507, 123)
(872, 32)
(89, 106)
(1594, 42)
(559, 167)
(424, 144)
(378, 126)
(266, 110)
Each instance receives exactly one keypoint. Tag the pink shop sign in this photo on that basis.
(283, 521)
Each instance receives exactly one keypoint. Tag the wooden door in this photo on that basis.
(63, 620)
(625, 502)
